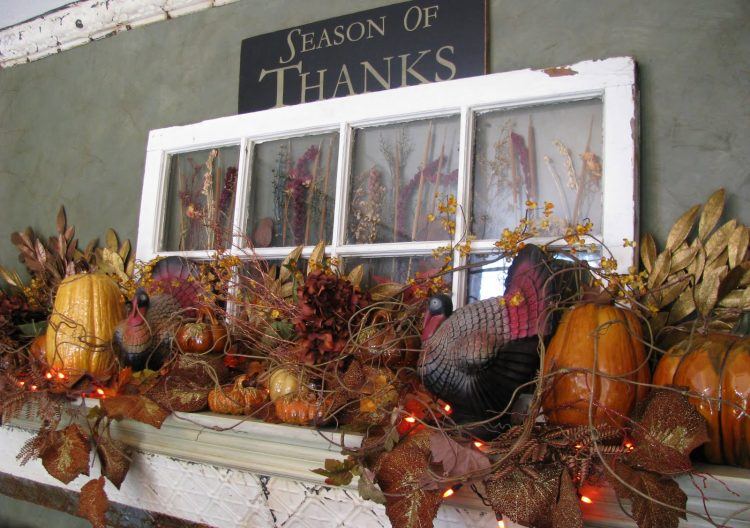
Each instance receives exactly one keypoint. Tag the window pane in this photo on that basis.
(200, 199)
(546, 153)
(292, 186)
(488, 280)
(401, 174)
(395, 269)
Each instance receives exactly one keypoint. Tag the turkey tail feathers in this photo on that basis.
(178, 277)
(527, 293)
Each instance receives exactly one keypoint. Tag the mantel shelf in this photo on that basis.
(291, 452)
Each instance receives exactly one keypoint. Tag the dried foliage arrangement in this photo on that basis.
(306, 343)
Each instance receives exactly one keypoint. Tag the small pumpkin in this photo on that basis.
(239, 398)
(615, 336)
(204, 335)
(301, 408)
(283, 382)
(87, 308)
(379, 395)
(715, 366)
(38, 347)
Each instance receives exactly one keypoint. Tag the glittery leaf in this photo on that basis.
(525, 500)
(67, 454)
(114, 457)
(646, 512)
(398, 473)
(93, 503)
(567, 511)
(669, 430)
(457, 460)
(138, 408)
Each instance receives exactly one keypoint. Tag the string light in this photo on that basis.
(33, 387)
(447, 408)
(21, 383)
(500, 523)
(410, 419)
(60, 375)
(478, 444)
(586, 500)
(48, 375)
(100, 391)
(447, 493)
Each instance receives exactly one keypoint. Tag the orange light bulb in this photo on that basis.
(100, 392)
(501, 524)
(478, 444)
(48, 375)
(447, 493)
(410, 419)
(447, 408)
(33, 387)
(586, 500)
(60, 375)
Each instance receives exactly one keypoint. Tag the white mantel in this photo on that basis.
(258, 475)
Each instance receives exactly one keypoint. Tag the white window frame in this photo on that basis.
(611, 80)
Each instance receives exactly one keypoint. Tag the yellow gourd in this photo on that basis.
(87, 308)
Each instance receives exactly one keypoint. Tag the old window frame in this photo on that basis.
(611, 80)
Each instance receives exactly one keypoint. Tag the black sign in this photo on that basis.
(416, 42)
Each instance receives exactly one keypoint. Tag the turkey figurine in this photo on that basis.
(477, 356)
(143, 339)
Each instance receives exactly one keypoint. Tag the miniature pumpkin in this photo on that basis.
(38, 347)
(615, 336)
(283, 382)
(87, 308)
(302, 408)
(205, 334)
(239, 398)
(715, 366)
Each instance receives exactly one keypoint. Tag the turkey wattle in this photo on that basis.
(476, 357)
(142, 340)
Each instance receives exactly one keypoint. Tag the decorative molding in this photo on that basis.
(85, 21)
(276, 460)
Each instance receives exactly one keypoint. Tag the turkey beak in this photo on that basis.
(431, 323)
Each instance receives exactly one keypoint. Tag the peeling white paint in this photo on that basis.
(86, 21)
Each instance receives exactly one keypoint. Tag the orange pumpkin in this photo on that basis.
(204, 335)
(610, 337)
(301, 408)
(715, 366)
(238, 398)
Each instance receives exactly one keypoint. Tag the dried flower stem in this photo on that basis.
(324, 211)
(311, 191)
(582, 181)
(396, 189)
(420, 188)
(514, 178)
(534, 180)
(285, 220)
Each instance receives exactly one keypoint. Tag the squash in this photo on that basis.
(87, 308)
(715, 366)
(239, 398)
(204, 335)
(620, 353)
(283, 382)
(303, 408)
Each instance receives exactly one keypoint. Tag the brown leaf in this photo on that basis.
(386, 291)
(681, 228)
(284, 272)
(317, 256)
(61, 220)
(111, 240)
(337, 472)
(737, 246)
(125, 250)
(646, 512)
(711, 213)
(67, 454)
(719, 240)
(697, 265)
(115, 458)
(138, 408)
(648, 251)
(684, 306)
(707, 293)
(398, 473)
(524, 500)
(93, 503)
(368, 489)
(661, 269)
(671, 293)
(457, 460)
(668, 431)
(730, 282)
(356, 275)
(180, 395)
(682, 258)
(567, 511)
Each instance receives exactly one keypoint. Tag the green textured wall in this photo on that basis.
(73, 127)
